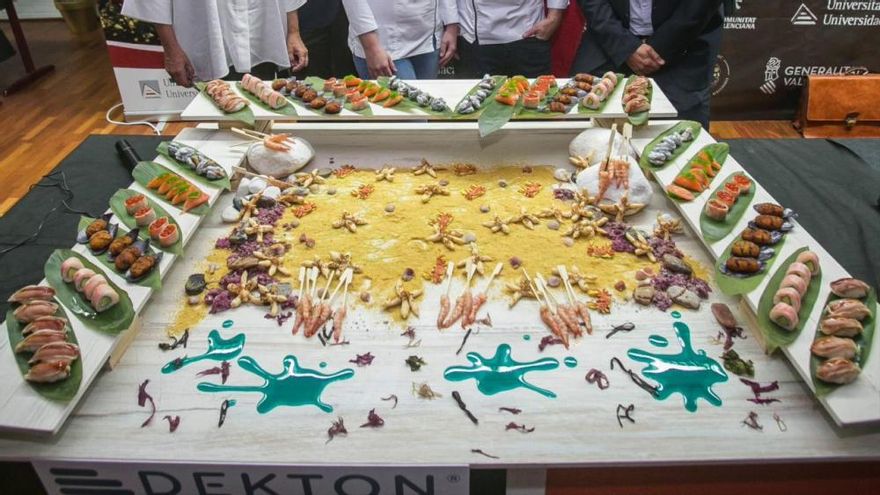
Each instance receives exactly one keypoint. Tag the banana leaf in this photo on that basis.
(715, 230)
(245, 115)
(731, 285)
(617, 92)
(224, 183)
(695, 128)
(499, 80)
(409, 106)
(117, 204)
(774, 335)
(147, 171)
(716, 151)
(285, 110)
(318, 84)
(639, 118)
(531, 113)
(112, 321)
(495, 115)
(864, 341)
(61, 391)
(153, 280)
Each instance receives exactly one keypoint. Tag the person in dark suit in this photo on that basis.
(674, 41)
(324, 29)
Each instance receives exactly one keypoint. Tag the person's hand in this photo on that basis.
(297, 52)
(448, 44)
(546, 27)
(645, 60)
(379, 62)
(179, 67)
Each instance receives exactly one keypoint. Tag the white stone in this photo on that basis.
(639, 188)
(243, 188)
(229, 214)
(272, 192)
(595, 140)
(562, 175)
(258, 184)
(280, 164)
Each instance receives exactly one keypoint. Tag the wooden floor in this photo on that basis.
(42, 124)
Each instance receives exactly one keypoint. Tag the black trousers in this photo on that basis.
(329, 55)
(529, 57)
(266, 71)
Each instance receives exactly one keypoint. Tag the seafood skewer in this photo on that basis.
(480, 299)
(579, 306)
(462, 303)
(321, 312)
(563, 311)
(300, 302)
(547, 316)
(444, 299)
(339, 314)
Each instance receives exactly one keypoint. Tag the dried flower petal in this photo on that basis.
(173, 423)
(415, 363)
(373, 420)
(482, 453)
(336, 428)
(363, 359)
(597, 377)
(143, 398)
(175, 342)
(224, 408)
(518, 427)
(391, 397)
(752, 421)
(548, 341)
(511, 410)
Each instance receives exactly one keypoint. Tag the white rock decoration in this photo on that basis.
(243, 188)
(272, 192)
(640, 190)
(280, 164)
(229, 214)
(595, 141)
(257, 185)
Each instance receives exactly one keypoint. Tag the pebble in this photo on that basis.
(273, 192)
(301, 191)
(515, 262)
(683, 296)
(554, 281)
(257, 184)
(365, 296)
(676, 265)
(562, 175)
(294, 222)
(568, 241)
(195, 284)
(553, 225)
(470, 237)
(229, 215)
(243, 189)
(443, 182)
(193, 300)
(331, 191)
(484, 208)
(325, 172)
(408, 274)
(620, 286)
(644, 294)
(502, 183)
(314, 188)
(389, 208)
(237, 203)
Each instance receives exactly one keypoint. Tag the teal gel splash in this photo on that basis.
(294, 386)
(501, 372)
(227, 324)
(570, 362)
(527, 337)
(675, 314)
(219, 349)
(689, 373)
(322, 364)
(658, 341)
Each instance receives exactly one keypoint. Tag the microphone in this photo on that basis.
(129, 156)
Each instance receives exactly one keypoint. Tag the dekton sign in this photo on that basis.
(87, 478)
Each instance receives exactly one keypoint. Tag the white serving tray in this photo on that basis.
(853, 404)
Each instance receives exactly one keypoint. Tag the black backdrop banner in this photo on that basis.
(769, 48)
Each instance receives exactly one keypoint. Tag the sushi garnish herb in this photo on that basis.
(518, 427)
(625, 412)
(511, 410)
(415, 363)
(175, 342)
(391, 397)
(737, 365)
(143, 398)
(373, 420)
(173, 423)
(361, 360)
(337, 428)
(752, 421)
(461, 405)
(598, 378)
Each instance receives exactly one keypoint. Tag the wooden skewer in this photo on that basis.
(345, 278)
(611, 143)
(345, 289)
(542, 284)
(275, 182)
(532, 285)
(494, 274)
(250, 133)
(313, 278)
(327, 286)
(563, 274)
(450, 268)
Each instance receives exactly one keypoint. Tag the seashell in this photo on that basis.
(273, 192)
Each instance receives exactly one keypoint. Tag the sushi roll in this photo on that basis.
(156, 226)
(136, 202)
(841, 327)
(716, 210)
(359, 103)
(69, 267)
(784, 315)
(103, 298)
(92, 284)
(31, 293)
(276, 100)
(81, 277)
(801, 270)
(810, 260)
(611, 76)
(788, 295)
(744, 183)
(531, 100)
(834, 347)
(339, 90)
(144, 216)
(732, 188)
(591, 101)
(726, 197)
(169, 235)
(850, 288)
(795, 282)
(839, 371)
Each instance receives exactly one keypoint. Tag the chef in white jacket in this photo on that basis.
(208, 39)
(410, 38)
(509, 36)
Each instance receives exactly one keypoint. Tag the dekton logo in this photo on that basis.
(771, 74)
(804, 17)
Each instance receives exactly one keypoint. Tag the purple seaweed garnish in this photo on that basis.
(336, 428)
(173, 423)
(373, 420)
(143, 398)
(363, 359)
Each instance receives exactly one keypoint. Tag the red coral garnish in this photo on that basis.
(143, 397)
(442, 221)
(344, 171)
(373, 420)
(530, 189)
(336, 428)
(222, 370)
(173, 423)
(473, 192)
(363, 359)
(438, 272)
(603, 251)
(461, 169)
(304, 209)
(601, 301)
(364, 191)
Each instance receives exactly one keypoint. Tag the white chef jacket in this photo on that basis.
(494, 22)
(217, 34)
(406, 28)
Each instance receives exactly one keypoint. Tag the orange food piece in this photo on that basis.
(394, 100)
(679, 192)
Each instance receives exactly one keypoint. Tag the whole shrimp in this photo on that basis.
(444, 299)
(569, 318)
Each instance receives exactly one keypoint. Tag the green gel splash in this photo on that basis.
(501, 372)
(322, 364)
(658, 341)
(527, 337)
(570, 362)
(231, 402)
(294, 386)
(675, 314)
(227, 324)
(219, 349)
(689, 373)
